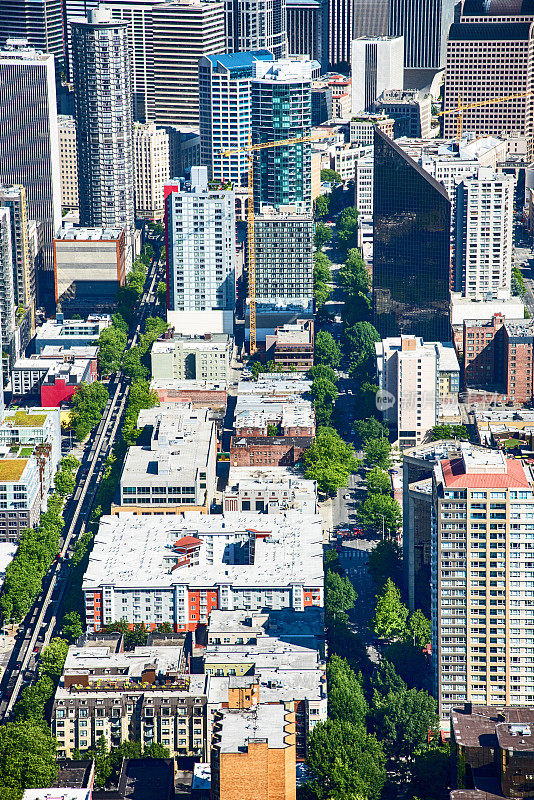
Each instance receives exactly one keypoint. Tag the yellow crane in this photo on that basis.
(463, 107)
(250, 149)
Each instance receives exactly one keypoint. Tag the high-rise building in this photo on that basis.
(225, 112)
(68, 158)
(255, 25)
(411, 110)
(483, 223)
(341, 22)
(377, 64)
(7, 294)
(151, 169)
(424, 25)
(411, 246)
(23, 261)
(39, 22)
(481, 579)
(138, 15)
(183, 32)
(486, 60)
(307, 29)
(75, 10)
(29, 154)
(104, 129)
(371, 18)
(281, 109)
(200, 245)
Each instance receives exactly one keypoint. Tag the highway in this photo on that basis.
(40, 623)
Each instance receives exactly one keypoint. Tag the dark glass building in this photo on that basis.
(411, 249)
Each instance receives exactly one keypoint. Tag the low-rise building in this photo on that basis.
(198, 394)
(465, 309)
(177, 569)
(20, 492)
(510, 429)
(362, 128)
(411, 110)
(177, 356)
(55, 374)
(145, 695)
(40, 429)
(176, 471)
(269, 490)
(90, 264)
(292, 345)
(69, 333)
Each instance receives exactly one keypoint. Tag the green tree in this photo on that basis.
(329, 461)
(327, 350)
(431, 770)
(366, 399)
(88, 403)
(378, 481)
(27, 755)
(162, 292)
(346, 699)
(321, 205)
(322, 371)
(377, 453)
(353, 276)
(72, 627)
(321, 293)
(340, 595)
(402, 721)
(272, 429)
(345, 762)
(418, 629)
(323, 235)
(347, 229)
(324, 394)
(33, 699)
(385, 561)
(518, 283)
(53, 657)
(141, 396)
(386, 679)
(64, 482)
(321, 267)
(360, 340)
(69, 463)
(389, 621)
(409, 661)
(111, 346)
(132, 365)
(448, 432)
(371, 428)
(330, 176)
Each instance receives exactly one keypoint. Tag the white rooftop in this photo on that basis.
(69, 233)
(7, 554)
(263, 723)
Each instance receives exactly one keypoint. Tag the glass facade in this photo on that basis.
(411, 250)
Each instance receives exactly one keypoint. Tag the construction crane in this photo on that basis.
(462, 107)
(250, 149)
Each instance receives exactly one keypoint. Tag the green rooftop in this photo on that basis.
(24, 420)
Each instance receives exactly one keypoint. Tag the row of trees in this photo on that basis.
(322, 277)
(329, 461)
(37, 549)
(88, 404)
(135, 362)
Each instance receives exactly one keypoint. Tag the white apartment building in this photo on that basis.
(7, 280)
(377, 64)
(346, 157)
(20, 491)
(201, 251)
(270, 490)
(151, 170)
(68, 161)
(364, 181)
(408, 372)
(483, 242)
(362, 128)
(205, 358)
(482, 580)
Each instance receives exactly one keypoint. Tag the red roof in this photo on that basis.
(187, 541)
(454, 475)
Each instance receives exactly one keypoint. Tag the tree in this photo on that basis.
(321, 267)
(322, 371)
(327, 350)
(353, 276)
(141, 396)
(27, 755)
(330, 176)
(323, 235)
(431, 770)
(132, 366)
(378, 481)
(346, 644)
(321, 205)
(385, 561)
(321, 293)
(377, 453)
(64, 482)
(119, 323)
(329, 461)
(111, 346)
(360, 340)
(418, 629)
(386, 679)
(389, 621)
(88, 403)
(33, 699)
(409, 661)
(340, 595)
(371, 428)
(347, 229)
(402, 721)
(345, 762)
(72, 627)
(518, 283)
(366, 399)
(162, 292)
(448, 432)
(324, 394)
(346, 700)
(53, 657)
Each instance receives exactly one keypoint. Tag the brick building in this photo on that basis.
(518, 360)
(292, 345)
(273, 451)
(483, 352)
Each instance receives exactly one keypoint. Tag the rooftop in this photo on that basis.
(12, 469)
(264, 723)
(484, 726)
(240, 61)
(68, 233)
(480, 467)
(489, 31)
(132, 550)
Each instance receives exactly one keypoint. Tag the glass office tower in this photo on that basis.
(411, 250)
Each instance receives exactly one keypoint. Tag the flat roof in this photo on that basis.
(68, 234)
(263, 723)
(12, 469)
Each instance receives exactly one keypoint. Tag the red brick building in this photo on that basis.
(274, 451)
(483, 344)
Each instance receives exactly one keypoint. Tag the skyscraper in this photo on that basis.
(483, 235)
(424, 25)
(200, 244)
(411, 249)
(29, 154)
(307, 29)
(104, 128)
(281, 109)
(377, 64)
(40, 22)
(224, 109)
(341, 21)
(371, 18)
(183, 32)
(151, 169)
(7, 295)
(256, 25)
